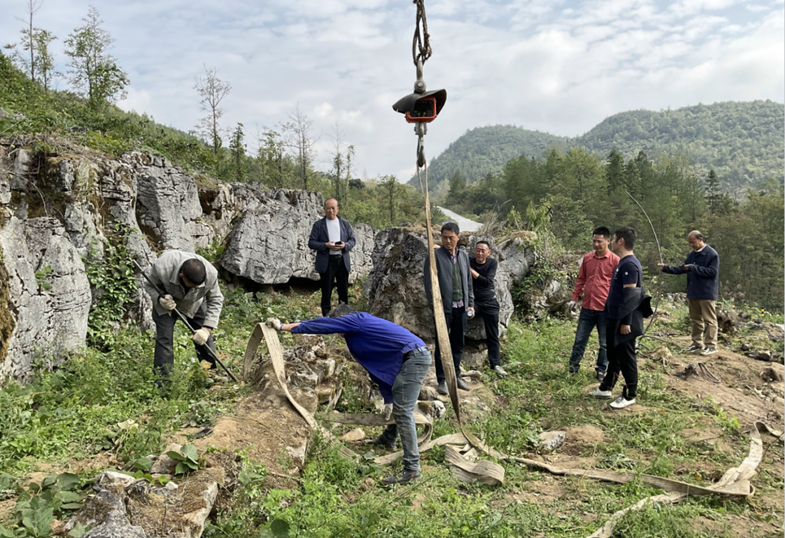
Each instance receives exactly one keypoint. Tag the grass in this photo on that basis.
(84, 408)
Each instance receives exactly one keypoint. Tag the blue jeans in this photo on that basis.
(587, 320)
(406, 390)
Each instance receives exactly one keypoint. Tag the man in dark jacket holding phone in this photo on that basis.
(624, 314)
(332, 238)
(703, 281)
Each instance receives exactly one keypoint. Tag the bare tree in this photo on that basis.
(29, 44)
(342, 164)
(299, 140)
(211, 92)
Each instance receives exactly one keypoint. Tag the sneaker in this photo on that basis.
(384, 443)
(404, 478)
(602, 394)
(600, 376)
(442, 388)
(499, 370)
(693, 348)
(462, 384)
(709, 351)
(621, 402)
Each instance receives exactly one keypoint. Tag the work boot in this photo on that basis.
(404, 478)
(442, 388)
(462, 384)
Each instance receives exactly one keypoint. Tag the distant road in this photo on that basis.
(464, 224)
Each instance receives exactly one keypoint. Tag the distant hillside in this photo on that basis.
(487, 149)
(742, 142)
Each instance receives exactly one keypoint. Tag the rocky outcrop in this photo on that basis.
(395, 289)
(269, 244)
(49, 295)
(63, 206)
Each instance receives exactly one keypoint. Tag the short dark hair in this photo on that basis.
(452, 227)
(603, 231)
(341, 310)
(193, 269)
(628, 234)
(483, 242)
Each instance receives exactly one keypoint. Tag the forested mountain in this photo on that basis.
(485, 150)
(741, 142)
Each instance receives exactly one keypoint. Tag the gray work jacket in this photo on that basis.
(444, 272)
(164, 273)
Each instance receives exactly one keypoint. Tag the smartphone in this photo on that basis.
(337, 243)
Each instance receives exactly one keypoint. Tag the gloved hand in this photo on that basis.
(387, 411)
(200, 336)
(571, 304)
(167, 302)
(275, 323)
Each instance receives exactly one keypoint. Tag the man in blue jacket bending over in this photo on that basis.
(397, 362)
(703, 281)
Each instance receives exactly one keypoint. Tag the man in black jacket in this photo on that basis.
(455, 285)
(703, 281)
(332, 238)
(625, 321)
(483, 269)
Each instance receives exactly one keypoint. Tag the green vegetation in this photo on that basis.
(106, 400)
(741, 142)
(56, 116)
(577, 191)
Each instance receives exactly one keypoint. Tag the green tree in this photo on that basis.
(237, 151)
(93, 71)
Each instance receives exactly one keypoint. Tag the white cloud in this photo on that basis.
(550, 65)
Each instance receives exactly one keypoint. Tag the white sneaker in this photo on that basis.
(499, 370)
(693, 348)
(602, 394)
(621, 402)
(709, 351)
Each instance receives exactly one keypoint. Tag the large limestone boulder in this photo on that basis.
(168, 208)
(395, 288)
(269, 244)
(48, 293)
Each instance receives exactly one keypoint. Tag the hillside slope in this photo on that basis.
(741, 141)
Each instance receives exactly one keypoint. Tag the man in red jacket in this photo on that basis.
(594, 281)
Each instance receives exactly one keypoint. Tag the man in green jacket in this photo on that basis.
(190, 284)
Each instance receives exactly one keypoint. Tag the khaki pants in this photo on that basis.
(703, 316)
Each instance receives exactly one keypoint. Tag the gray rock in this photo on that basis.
(550, 441)
(269, 244)
(395, 289)
(49, 294)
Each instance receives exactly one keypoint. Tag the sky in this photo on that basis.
(556, 66)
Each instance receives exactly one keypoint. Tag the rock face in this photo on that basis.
(395, 287)
(49, 295)
(269, 244)
(59, 209)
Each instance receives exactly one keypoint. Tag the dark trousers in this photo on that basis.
(621, 359)
(587, 320)
(490, 317)
(336, 272)
(456, 326)
(164, 340)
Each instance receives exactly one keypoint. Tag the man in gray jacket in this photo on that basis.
(191, 286)
(455, 284)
